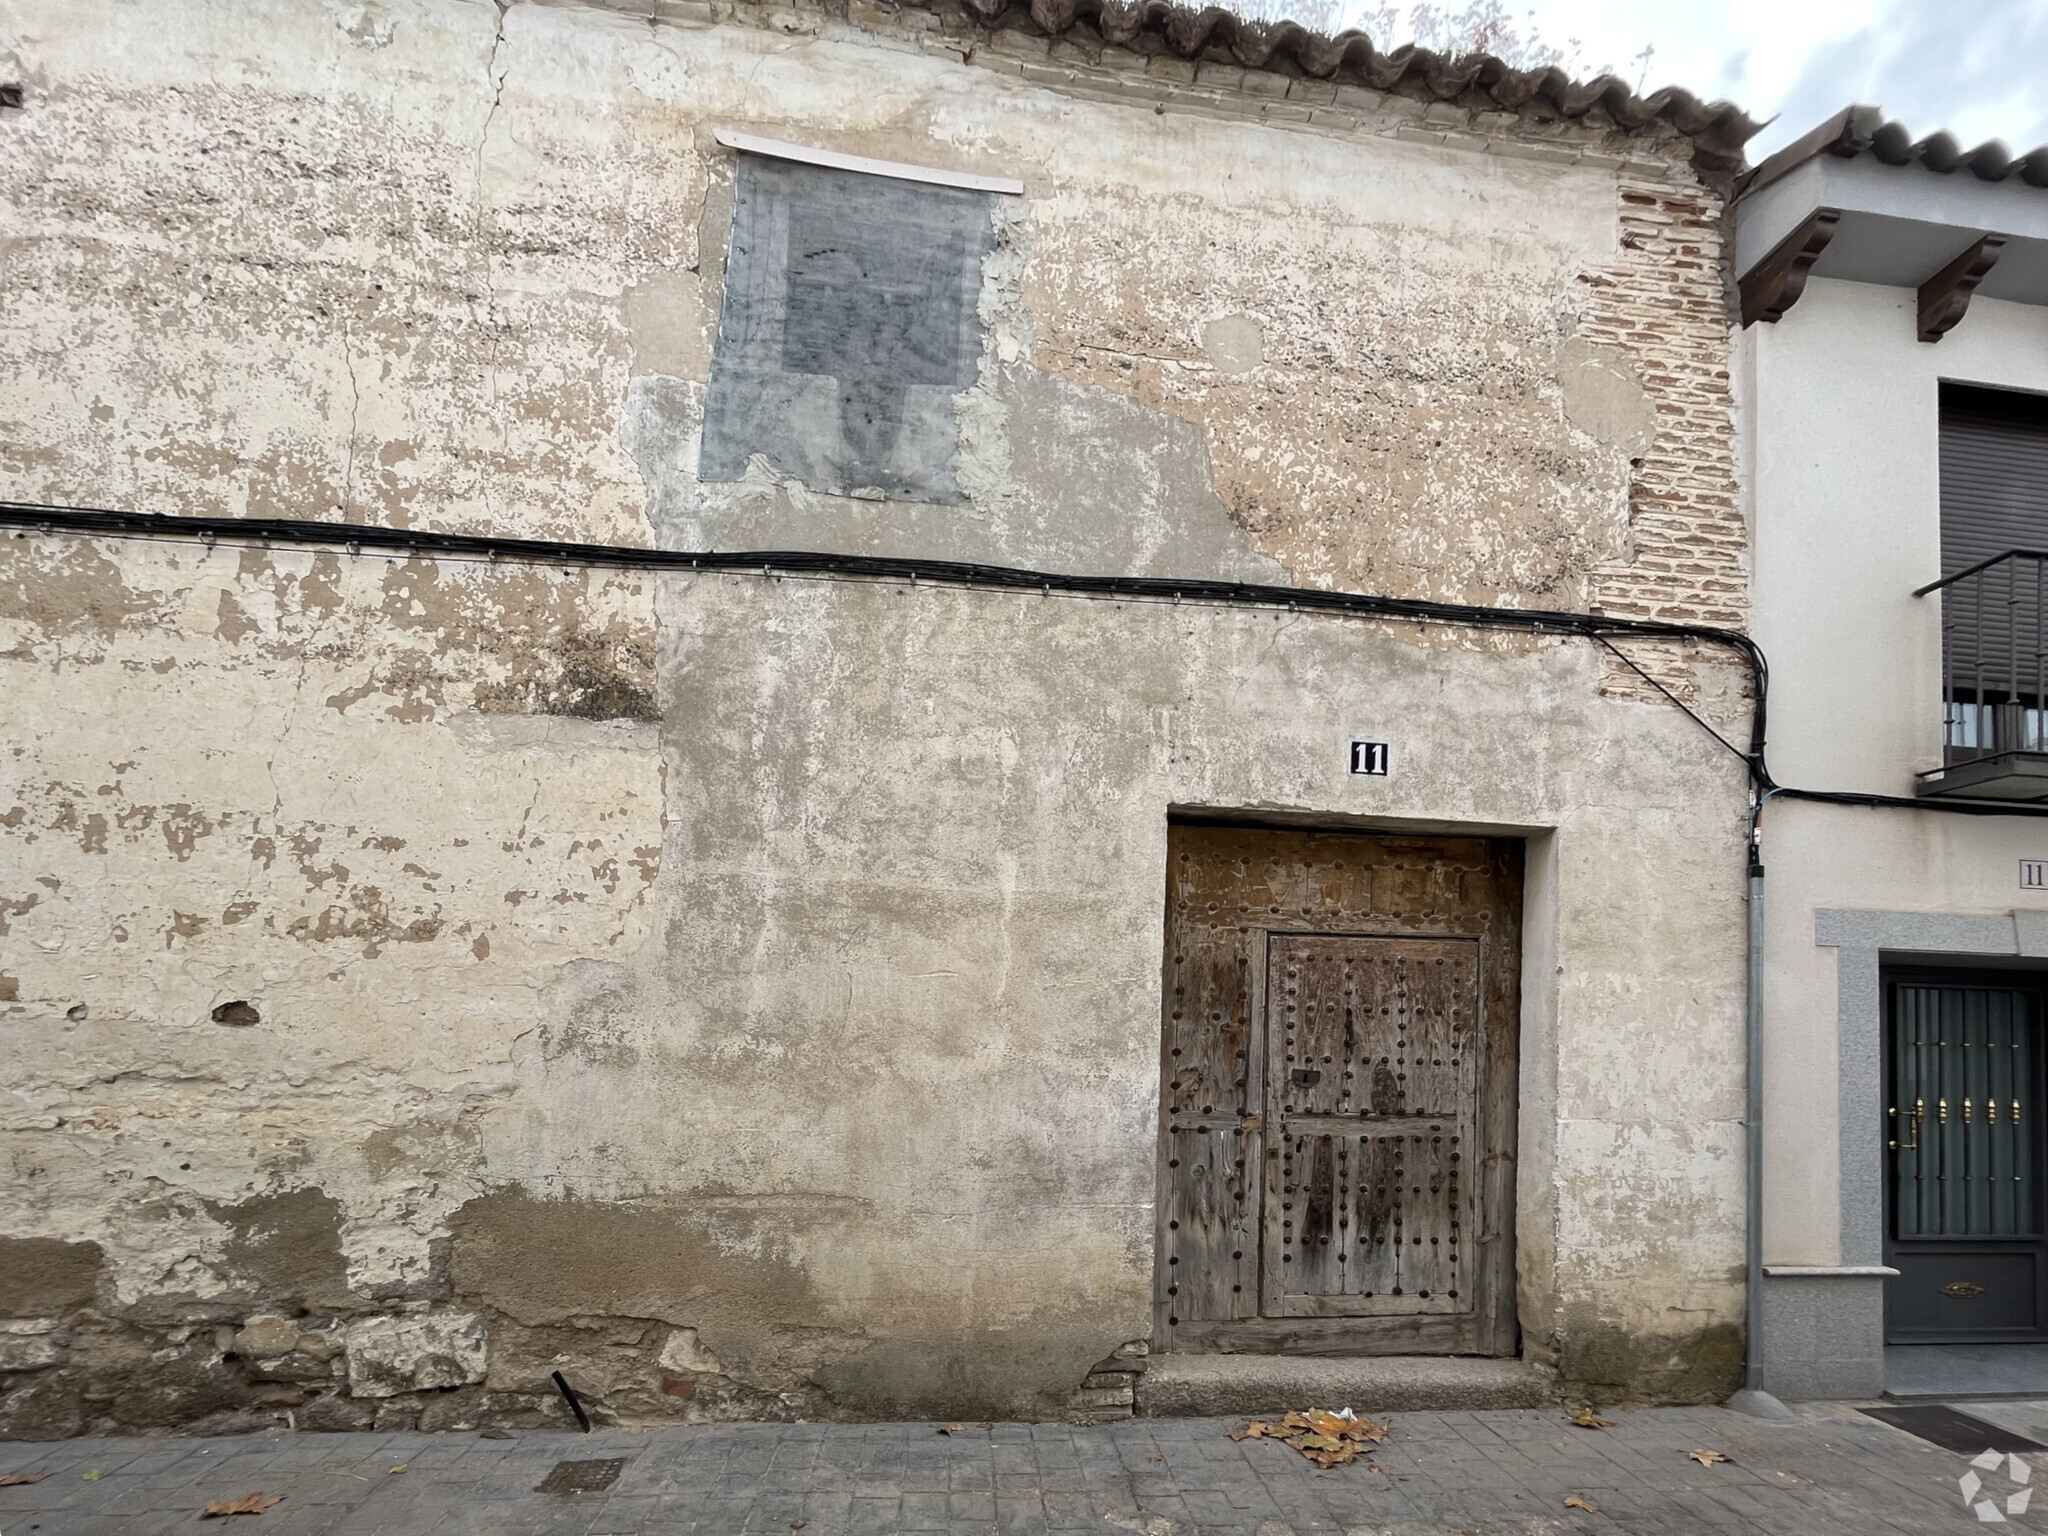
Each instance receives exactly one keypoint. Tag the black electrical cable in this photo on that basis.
(1904, 803)
(1697, 719)
(95, 522)
(102, 523)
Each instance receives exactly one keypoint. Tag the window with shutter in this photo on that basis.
(1994, 553)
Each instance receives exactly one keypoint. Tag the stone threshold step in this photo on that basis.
(1196, 1386)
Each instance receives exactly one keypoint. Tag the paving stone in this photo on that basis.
(1499, 1472)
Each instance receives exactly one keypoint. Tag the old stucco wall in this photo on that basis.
(743, 992)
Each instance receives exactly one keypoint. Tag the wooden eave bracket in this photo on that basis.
(1774, 284)
(1945, 297)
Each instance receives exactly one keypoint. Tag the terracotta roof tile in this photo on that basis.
(1718, 129)
(1866, 131)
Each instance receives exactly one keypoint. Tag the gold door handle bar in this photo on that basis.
(1913, 1118)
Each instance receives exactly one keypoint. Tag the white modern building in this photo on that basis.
(1894, 368)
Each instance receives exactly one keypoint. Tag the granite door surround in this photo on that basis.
(1824, 1324)
(1863, 941)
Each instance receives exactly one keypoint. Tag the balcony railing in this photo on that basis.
(1994, 649)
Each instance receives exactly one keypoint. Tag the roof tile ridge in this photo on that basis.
(1718, 129)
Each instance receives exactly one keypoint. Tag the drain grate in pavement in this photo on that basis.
(581, 1476)
(1951, 1430)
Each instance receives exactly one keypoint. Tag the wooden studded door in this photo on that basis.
(1337, 1116)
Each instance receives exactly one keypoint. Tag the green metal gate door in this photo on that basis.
(1964, 1136)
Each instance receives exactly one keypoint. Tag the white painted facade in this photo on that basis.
(1841, 440)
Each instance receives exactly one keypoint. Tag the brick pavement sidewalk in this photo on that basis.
(1440, 1474)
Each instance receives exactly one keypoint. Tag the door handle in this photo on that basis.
(1913, 1119)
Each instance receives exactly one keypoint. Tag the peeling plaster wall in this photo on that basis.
(420, 974)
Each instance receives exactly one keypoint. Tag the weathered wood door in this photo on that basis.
(1338, 1066)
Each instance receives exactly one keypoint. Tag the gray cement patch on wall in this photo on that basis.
(1061, 477)
(849, 321)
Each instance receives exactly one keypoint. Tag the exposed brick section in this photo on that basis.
(1709, 679)
(1664, 303)
(1110, 1391)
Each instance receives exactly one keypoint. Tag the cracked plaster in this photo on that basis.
(589, 918)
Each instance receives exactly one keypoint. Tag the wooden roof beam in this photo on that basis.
(1945, 296)
(1774, 284)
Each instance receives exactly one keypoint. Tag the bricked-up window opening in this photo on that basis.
(849, 324)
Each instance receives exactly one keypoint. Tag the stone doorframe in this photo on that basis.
(1823, 1327)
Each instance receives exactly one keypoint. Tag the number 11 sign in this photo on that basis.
(1373, 758)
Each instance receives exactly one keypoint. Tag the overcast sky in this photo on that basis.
(1978, 68)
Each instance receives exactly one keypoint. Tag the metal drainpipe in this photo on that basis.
(1753, 1399)
(1753, 1125)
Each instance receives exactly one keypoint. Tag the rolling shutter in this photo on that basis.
(1994, 474)
(1994, 497)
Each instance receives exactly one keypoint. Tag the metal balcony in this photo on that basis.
(1994, 647)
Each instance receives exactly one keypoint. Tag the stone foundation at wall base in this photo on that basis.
(1606, 1366)
(85, 1373)
(1823, 1333)
(432, 1368)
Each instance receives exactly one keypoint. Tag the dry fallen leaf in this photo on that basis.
(1705, 1458)
(1325, 1438)
(1347, 1426)
(401, 1467)
(15, 1479)
(494, 1434)
(985, 1426)
(247, 1504)
(1573, 1501)
(1586, 1418)
(951, 1429)
(797, 1525)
